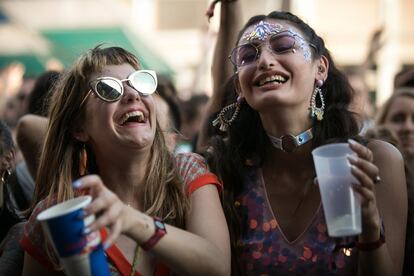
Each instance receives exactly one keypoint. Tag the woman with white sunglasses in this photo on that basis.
(160, 213)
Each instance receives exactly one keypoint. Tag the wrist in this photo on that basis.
(159, 232)
(370, 244)
(138, 226)
(371, 231)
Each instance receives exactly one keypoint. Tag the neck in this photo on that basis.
(125, 176)
(291, 169)
(291, 142)
(278, 121)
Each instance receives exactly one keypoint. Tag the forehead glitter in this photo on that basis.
(303, 45)
(262, 30)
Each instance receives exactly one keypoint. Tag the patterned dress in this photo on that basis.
(264, 250)
(195, 174)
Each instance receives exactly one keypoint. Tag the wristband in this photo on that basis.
(160, 232)
(371, 246)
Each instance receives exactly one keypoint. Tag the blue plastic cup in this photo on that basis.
(79, 254)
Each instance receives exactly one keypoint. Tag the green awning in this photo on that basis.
(69, 44)
(32, 63)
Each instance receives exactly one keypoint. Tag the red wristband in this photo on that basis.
(160, 232)
(371, 246)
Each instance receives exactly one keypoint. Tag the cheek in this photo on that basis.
(246, 78)
(396, 127)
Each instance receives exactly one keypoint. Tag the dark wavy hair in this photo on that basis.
(246, 138)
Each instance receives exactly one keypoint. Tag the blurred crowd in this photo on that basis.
(187, 127)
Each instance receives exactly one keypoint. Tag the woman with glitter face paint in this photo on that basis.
(288, 99)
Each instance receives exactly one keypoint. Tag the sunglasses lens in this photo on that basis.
(244, 55)
(109, 89)
(144, 82)
(282, 43)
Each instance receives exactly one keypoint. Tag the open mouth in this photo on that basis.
(271, 79)
(133, 117)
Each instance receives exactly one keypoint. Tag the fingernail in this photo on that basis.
(76, 184)
(82, 214)
(351, 157)
(86, 230)
(352, 142)
(106, 245)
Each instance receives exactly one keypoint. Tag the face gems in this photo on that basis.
(262, 31)
(304, 46)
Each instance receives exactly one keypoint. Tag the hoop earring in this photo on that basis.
(317, 111)
(221, 118)
(83, 161)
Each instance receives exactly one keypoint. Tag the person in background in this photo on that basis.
(193, 112)
(288, 99)
(397, 114)
(8, 211)
(168, 111)
(11, 217)
(160, 213)
(37, 104)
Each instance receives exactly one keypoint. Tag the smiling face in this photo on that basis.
(127, 123)
(285, 70)
(400, 118)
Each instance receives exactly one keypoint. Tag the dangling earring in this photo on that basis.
(83, 161)
(317, 111)
(221, 118)
(5, 175)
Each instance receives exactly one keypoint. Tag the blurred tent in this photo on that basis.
(66, 45)
(32, 63)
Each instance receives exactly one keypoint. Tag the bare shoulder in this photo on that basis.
(390, 164)
(385, 152)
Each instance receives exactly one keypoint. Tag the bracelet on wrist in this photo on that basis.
(371, 246)
(159, 232)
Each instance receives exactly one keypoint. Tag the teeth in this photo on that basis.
(277, 78)
(139, 114)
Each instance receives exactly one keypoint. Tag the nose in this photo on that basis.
(130, 93)
(266, 58)
(408, 124)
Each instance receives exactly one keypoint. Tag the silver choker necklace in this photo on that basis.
(289, 142)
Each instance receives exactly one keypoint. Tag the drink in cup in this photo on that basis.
(79, 254)
(341, 204)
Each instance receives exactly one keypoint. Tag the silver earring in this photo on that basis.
(221, 118)
(317, 111)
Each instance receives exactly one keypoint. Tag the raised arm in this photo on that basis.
(222, 70)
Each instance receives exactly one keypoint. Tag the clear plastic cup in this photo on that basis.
(79, 254)
(341, 204)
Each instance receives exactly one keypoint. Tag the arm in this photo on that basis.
(387, 201)
(222, 70)
(32, 267)
(31, 133)
(203, 250)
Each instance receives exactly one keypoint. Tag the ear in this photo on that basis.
(79, 133)
(322, 69)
